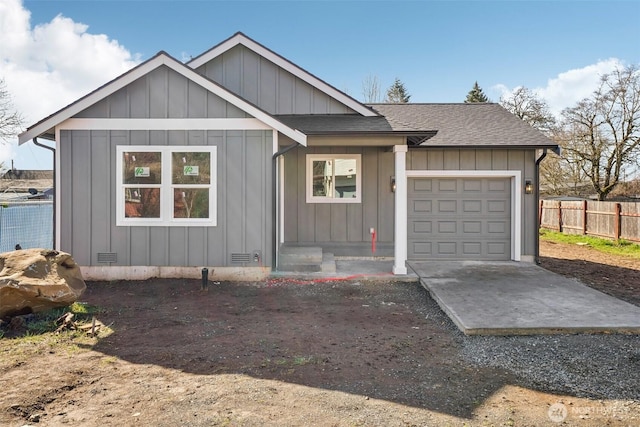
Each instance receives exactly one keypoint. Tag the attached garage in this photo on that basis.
(459, 218)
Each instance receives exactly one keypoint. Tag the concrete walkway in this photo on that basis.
(511, 298)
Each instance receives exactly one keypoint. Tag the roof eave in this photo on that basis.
(488, 146)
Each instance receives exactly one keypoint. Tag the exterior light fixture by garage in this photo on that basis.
(528, 186)
(393, 184)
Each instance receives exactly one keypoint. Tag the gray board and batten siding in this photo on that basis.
(341, 228)
(270, 87)
(344, 228)
(88, 167)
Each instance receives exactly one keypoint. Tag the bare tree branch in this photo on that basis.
(371, 89)
(603, 131)
(10, 119)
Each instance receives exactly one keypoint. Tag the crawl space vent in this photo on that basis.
(107, 257)
(240, 258)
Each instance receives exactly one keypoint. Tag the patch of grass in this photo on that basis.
(303, 360)
(46, 321)
(621, 247)
(290, 361)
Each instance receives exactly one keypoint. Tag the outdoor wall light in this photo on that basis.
(528, 187)
(393, 184)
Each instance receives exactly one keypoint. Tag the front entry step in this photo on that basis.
(306, 259)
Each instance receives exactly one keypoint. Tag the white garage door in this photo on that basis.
(459, 218)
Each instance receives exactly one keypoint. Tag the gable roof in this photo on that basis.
(321, 85)
(464, 125)
(45, 126)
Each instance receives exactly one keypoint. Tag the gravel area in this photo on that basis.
(599, 366)
(592, 366)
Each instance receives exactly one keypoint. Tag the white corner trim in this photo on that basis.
(284, 64)
(58, 192)
(516, 197)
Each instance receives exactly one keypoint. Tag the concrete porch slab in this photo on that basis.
(511, 298)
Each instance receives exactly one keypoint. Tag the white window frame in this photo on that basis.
(309, 178)
(166, 187)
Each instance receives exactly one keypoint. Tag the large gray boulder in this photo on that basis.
(34, 280)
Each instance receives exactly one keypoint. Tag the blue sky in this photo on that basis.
(437, 48)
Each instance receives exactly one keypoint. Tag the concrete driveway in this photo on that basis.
(517, 298)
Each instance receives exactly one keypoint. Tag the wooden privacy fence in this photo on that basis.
(612, 220)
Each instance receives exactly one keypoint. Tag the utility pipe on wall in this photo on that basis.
(537, 194)
(274, 202)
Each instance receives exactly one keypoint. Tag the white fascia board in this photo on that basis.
(163, 124)
(145, 68)
(284, 64)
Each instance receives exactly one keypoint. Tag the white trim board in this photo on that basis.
(162, 59)
(516, 196)
(283, 63)
(163, 124)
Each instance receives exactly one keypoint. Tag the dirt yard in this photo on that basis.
(325, 353)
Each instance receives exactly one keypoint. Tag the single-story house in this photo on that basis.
(235, 157)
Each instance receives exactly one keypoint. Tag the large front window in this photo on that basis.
(166, 186)
(333, 178)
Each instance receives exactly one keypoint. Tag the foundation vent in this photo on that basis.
(240, 258)
(107, 257)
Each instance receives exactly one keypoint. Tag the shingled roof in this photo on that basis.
(464, 125)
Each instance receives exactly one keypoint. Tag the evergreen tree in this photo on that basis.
(397, 94)
(476, 95)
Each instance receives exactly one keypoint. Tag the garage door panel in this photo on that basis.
(422, 206)
(447, 185)
(496, 248)
(422, 227)
(472, 248)
(447, 227)
(422, 248)
(446, 248)
(459, 218)
(447, 206)
(497, 206)
(422, 185)
(474, 206)
(499, 227)
(499, 186)
(472, 227)
(471, 185)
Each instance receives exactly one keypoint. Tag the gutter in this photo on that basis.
(537, 197)
(274, 202)
(55, 195)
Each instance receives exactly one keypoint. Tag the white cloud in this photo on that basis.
(569, 87)
(574, 85)
(51, 65)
